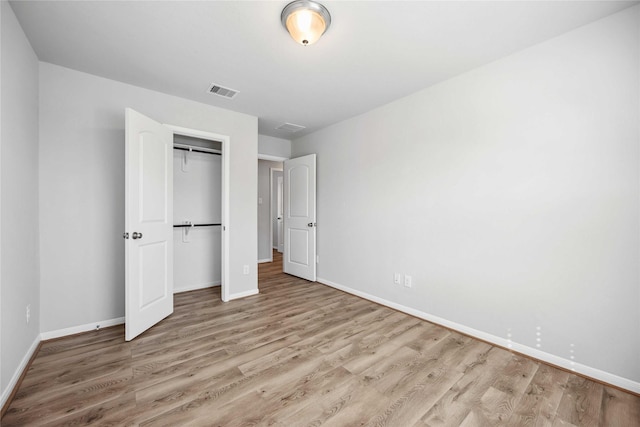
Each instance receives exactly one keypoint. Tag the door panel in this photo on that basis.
(300, 217)
(299, 191)
(154, 281)
(299, 244)
(148, 222)
(153, 170)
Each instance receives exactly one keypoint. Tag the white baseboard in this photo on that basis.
(19, 370)
(81, 328)
(243, 294)
(552, 359)
(260, 261)
(196, 287)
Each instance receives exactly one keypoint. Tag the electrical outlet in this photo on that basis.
(397, 278)
(245, 269)
(407, 281)
(28, 313)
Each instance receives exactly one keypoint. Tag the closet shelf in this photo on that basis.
(195, 225)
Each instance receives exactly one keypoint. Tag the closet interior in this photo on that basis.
(197, 213)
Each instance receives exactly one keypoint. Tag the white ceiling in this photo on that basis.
(374, 52)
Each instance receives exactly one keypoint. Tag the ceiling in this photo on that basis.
(374, 52)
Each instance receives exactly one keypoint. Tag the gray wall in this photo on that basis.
(19, 212)
(509, 193)
(264, 209)
(82, 190)
(276, 147)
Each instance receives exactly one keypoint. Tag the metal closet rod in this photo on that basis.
(196, 149)
(195, 225)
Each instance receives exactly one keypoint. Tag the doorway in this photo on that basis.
(277, 209)
(197, 210)
(214, 140)
(267, 209)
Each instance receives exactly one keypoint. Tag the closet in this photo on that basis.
(197, 213)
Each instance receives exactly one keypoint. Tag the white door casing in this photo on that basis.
(300, 217)
(148, 223)
(226, 218)
(280, 213)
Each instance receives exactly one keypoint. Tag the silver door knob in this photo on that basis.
(311, 224)
(136, 235)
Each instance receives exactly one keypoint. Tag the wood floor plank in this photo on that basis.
(541, 399)
(205, 402)
(71, 401)
(108, 413)
(581, 403)
(407, 409)
(300, 354)
(258, 407)
(284, 402)
(494, 409)
(327, 408)
(376, 347)
(464, 395)
(619, 408)
(499, 401)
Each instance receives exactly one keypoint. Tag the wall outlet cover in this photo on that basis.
(407, 281)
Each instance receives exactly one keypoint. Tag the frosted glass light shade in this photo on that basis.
(305, 20)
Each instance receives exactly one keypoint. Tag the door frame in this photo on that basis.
(273, 200)
(225, 140)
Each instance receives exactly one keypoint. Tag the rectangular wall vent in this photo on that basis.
(290, 127)
(224, 92)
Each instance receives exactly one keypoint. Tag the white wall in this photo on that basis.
(274, 147)
(510, 194)
(197, 198)
(82, 190)
(264, 208)
(19, 212)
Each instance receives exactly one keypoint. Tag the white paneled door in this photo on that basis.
(148, 223)
(300, 217)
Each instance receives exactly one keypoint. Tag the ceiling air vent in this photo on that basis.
(290, 127)
(224, 92)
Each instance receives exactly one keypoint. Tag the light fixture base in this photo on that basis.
(305, 20)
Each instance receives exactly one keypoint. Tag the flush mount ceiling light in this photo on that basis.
(305, 20)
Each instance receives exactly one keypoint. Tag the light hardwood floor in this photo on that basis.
(301, 354)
